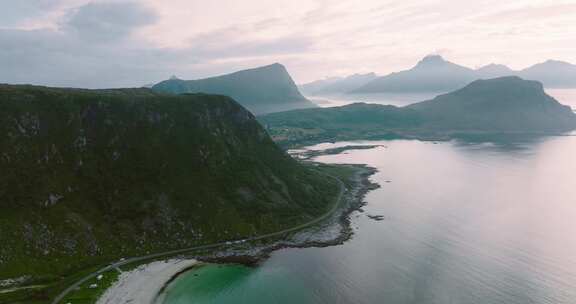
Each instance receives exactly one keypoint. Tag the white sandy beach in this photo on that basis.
(143, 284)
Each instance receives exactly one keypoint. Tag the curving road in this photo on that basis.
(64, 293)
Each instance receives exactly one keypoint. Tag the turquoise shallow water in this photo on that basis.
(464, 223)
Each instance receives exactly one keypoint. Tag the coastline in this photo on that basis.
(335, 231)
(143, 284)
(148, 283)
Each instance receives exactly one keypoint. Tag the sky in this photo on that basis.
(128, 43)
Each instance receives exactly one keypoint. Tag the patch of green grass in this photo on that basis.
(345, 173)
(86, 294)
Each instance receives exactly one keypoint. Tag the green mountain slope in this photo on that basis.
(90, 176)
(500, 105)
(355, 121)
(261, 90)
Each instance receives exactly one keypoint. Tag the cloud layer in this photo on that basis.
(98, 22)
(117, 43)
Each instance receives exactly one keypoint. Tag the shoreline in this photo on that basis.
(340, 221)
(354, 202)
(333, 231)
(143, 284)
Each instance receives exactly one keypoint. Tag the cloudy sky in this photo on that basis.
(118, 43)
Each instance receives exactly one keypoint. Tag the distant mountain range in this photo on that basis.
(431, 74)
(261, 90)
(336, 85)
(89, 176)
(435, 74)
(506, 105)
(494, 71)
(552, 73)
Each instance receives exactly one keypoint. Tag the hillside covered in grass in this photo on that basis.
(505, 105)
(89, 176)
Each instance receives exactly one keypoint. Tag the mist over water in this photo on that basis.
(564, 96)
(398, 100)
(463, 223)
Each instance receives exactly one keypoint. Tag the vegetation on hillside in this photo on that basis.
(92, 176)
(496, 106)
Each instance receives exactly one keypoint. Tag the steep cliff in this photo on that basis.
(261, 90)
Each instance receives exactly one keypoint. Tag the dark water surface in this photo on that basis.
(463, 223)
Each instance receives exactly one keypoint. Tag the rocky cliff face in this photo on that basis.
(261, 90)
(92, 175)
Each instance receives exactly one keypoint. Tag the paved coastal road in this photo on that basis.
(93, 275)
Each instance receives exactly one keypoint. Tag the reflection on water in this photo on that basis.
(482, 222)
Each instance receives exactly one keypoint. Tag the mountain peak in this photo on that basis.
(431, 74)
(432, 60)
(556, 62)
(494, 67)
(500, 104)
(506, 83)
(274, 66)
(494, 70)
(551, 64)
(262, 89)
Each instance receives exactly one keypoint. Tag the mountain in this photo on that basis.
(261, 90)
(336, 85)
(354, 121)
(313, 87)
(431, 74)
(501, 104)
(552, 73)
(434, 74)
(89, 176)
(494, 71)
(506, 105)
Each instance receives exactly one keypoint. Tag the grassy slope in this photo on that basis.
(91, 176)
(506, 105)
(355, 121)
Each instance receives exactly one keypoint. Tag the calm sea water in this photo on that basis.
(565, 96)
(464, 223)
